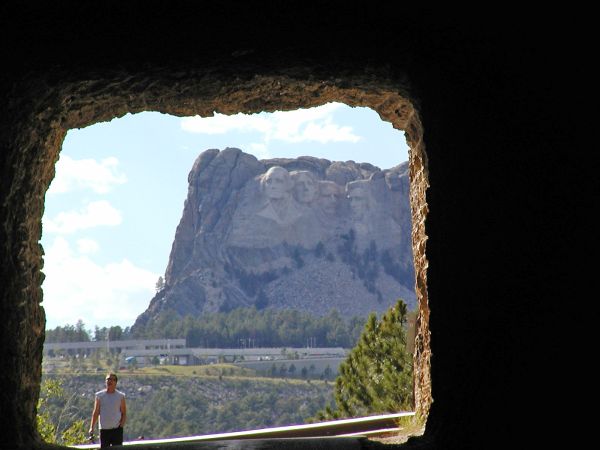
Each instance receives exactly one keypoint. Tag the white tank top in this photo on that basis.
(110, 409)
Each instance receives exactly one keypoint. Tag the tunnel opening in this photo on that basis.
(98, 170)
(388, 101)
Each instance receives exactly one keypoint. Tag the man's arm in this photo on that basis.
(95, 415)
(123, 413)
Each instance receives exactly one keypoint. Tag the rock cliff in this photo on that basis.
(304, 233)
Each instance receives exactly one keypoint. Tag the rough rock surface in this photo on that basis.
(305, 233)
(497, 113)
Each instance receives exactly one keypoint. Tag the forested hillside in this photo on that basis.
(171, 401)
(261, 328)
(162, 406)
(257, 328)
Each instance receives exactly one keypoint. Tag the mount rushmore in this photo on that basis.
(303, 233)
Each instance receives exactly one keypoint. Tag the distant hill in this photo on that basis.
(162, 406)
(304, 233)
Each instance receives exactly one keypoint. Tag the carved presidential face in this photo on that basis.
(359, 196)
(305, 186)
(276, 183)
(329, 194)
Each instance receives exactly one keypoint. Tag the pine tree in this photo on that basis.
(377, 375)
(160, 284)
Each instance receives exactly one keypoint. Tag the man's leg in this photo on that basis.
(104, 438)
(111, 437)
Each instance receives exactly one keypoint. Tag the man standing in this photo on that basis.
(110, 407)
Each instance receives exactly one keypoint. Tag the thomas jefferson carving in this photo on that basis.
(305, 186)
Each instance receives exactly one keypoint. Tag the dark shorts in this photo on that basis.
(111, 437)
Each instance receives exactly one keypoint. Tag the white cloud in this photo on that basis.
(87, 246)
(221, 124)
(326, 132)
(72, 174)
(76, 287)
(302, 125)
(94, 214)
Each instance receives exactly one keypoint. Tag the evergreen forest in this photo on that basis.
(240, 326)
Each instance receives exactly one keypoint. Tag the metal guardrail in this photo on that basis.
(360, 426)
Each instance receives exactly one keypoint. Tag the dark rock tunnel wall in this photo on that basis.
(477, 93)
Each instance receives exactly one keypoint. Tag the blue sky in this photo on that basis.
(117, 197)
